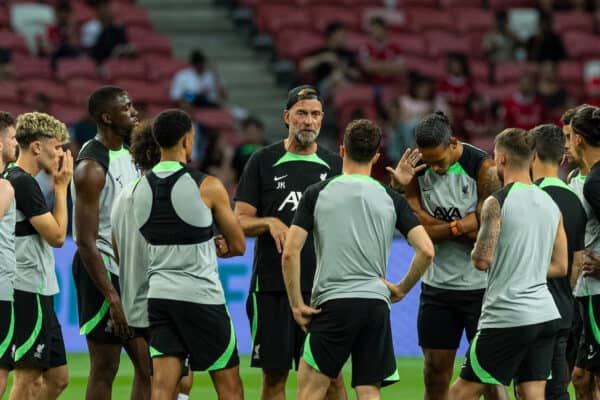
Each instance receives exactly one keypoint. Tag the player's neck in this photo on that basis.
(27, 164)
(517, 175)
(291, 145)
(109, 139)
(591, 156)
(350, 167)
(176, 154)
(545, 170)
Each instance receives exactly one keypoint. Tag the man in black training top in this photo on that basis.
(266, 200)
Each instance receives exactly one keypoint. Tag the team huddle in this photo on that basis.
(506, 251)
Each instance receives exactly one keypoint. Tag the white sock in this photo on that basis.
(182, 396)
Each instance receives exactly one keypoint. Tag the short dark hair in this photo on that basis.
(586, 122)
(548, 142)
(101, 99)
(517, 143)
(568, 115)
(433, 130)
(332, 28)
(170, 126)
(379, 21)
(197, 56)
(252, 121)
(144, 149)
(361, 140)
(6, 120)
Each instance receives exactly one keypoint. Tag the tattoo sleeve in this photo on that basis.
(487, 183)
(489, 231)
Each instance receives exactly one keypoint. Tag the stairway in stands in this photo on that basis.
(202, 24)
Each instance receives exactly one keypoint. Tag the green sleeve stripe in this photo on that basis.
(154, 352)
(23, 349)
(11, 328)
(92, 323)
(481, 373)
(226, 356)
(254, 317)
(593, 323)
(307, 355)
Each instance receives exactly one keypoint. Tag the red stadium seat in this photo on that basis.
(421, 19)
(130, 15)
(417, 3)
(138, 34)
(217, 119)
(15, 108)
(9, 92)
(409, 43)
(79, 90)
(510, 72)
(294, 44)
(353, 96)
(439, 43)
(156, 44)
(31, 67)
(475, 40)
(68, 68)
(570, 71)
(273, 18)
(163, 68)
(140, 90)
(67, 114)
(494, 92)
(506, 4)
(485, 143)
(356, 41)
(581, 45)
(82, 12)
(573, 21)
(114, 69)
(325, 15)
(55, 91)
(4, 18)
(344, 115)
(426, 66)
(13, 41)
(395, 20)
(460, 3)
(479, 70)
(473, 19)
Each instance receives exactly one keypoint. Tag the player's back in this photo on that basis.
(517, 292)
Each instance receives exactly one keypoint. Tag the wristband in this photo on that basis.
(454, 228)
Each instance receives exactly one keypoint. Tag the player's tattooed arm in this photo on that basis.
(487, 238)
(487, 182)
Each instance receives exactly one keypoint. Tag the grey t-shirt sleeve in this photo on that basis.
(305, 214)
(405, 217)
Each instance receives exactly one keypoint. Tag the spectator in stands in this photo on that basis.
(6, 69)
(456, 86)
(108, 39)
(477, 120)
(252, 133)
(60, 40)
(334, 64)
(551, 91)
(546, 45)
(40, 102)
(524, 109)
(198, 84)
(408, 109)
(500, 44)
(80, 132)
(381, 59)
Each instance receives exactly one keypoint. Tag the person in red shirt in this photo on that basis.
(60, 39)
(524, 109)
(456, 86)
(381, 59)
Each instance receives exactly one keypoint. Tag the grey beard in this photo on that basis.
(304, 140)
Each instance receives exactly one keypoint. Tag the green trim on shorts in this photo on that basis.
(254, 317)
(307, 355)
(481, 373)
(226, 356)
(24, 348)
(395, 377)
(92, 323)
(593, 323)
(11, 328)
(154, 352)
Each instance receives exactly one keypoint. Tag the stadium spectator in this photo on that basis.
(381, 59)
(500, 44)
(199, 84)
(334, 64)
(252, 132)
(80, 132)
(477, 121)
(551, 90)
(60, 39)
(40, 102)
(523, 109)
(546, 45)
(110, 38)
(456, 86)
(6, 69)
(408, 109)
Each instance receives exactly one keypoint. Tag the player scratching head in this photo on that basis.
(174, 133)
(303, 116)
(144, 148)
(438, 147)
(112, 110)
(512, 154)
(362, 139)
(41, 138)
(8, 138)
(585, 140)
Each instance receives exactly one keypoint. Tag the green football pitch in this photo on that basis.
(410, 386)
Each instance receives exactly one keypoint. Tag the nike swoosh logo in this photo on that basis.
(278, 178)
(590, 356)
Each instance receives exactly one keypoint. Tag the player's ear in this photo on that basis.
(105, 118)
(342, 150)
(35, 147)
(453, 141)
(286, 117)
(375, 158)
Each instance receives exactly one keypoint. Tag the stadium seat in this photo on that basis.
(67, 114)
(68, 68)
(573, 21)
(581, 45)
(485, 143)
(472, 19)
(324, 15)
(506, 4)
(130, 15)
(82, 12)
(417, 3)
(570, 71)
(15, 108)
(273, 18)
(56, 92)
(13, 41)
(460, 3)
(138, 34)
(220, 120)
(114, 69)
(510, 72)
(9, 92)
(356, 41)
(409, 43)
(439, 43)
(475, 41)
(140, 90)
(421, 19)
(79, 90)
(163, 68)
(344, 115)
(426, 66)
(31, 67)
(353, 96)
(493, 92)
(294, 44)
(479, 70)
(4, 19)
(156, 44)
(395, 20)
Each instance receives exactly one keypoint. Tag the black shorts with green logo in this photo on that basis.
(93, 309)
(353, 327)
(7, 327)
(497, 355)
(202, 332)
(38, 342)
(588, 353)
